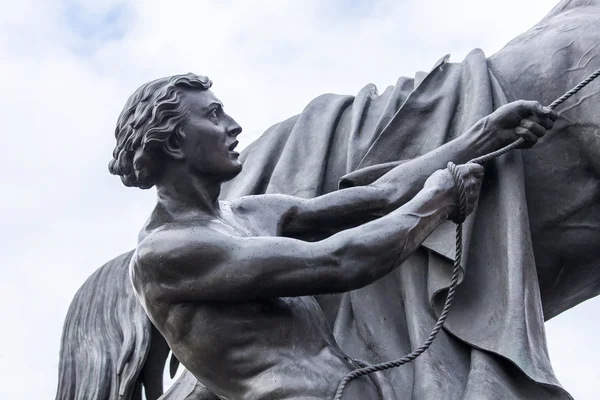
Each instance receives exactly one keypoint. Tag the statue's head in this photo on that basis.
(174, 120)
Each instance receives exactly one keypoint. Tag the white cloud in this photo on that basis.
(62, 91)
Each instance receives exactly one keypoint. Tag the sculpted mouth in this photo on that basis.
(233, 145)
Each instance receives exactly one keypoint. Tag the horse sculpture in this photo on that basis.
(549, 194)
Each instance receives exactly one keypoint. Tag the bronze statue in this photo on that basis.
(531, 243)
(229, 285)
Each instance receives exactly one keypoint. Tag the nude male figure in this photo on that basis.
(229, 284)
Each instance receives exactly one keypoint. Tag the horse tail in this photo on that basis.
(106, 338)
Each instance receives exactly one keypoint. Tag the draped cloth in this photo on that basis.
(353, 140)
(493, 345)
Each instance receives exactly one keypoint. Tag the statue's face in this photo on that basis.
(210, 136)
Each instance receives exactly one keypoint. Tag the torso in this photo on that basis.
(278, 348)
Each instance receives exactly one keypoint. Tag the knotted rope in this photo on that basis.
(458, 257)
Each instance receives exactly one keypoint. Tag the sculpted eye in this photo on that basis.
(213, 116)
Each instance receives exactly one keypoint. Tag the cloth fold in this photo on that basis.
(496, 322)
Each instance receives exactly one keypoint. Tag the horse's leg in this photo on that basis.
(152, 372)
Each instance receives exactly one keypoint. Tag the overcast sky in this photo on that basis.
(67, 67)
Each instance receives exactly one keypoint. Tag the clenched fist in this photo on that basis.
(472, 175)
(520, 119)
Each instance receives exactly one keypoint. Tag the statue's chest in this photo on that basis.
(231, 226)
(239, 225)
(249, 224)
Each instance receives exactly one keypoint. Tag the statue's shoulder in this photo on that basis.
(169, 239)
(259, 202)
(265, 214)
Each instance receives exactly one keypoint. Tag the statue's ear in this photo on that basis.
(173, 148)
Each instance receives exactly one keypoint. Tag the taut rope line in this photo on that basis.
(458, 257)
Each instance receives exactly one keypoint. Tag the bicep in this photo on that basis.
(328, 214)
(229, 268)
(280, 267)
(316, 218)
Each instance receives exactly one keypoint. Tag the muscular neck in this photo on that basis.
(183, 194)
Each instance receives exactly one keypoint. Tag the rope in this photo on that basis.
(555, 103)
(458, 257)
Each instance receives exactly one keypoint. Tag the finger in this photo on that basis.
(528, 108)
(530, 138)
(546, 122)
(471, 183)
(471, 166)
(475, 187)
(478, 174)
(533, 127)
(475, 169)
(472, 204)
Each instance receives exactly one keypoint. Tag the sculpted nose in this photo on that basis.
(234, 131)
(234, 128)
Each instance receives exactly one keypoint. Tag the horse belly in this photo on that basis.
(568, 261)
(563, 196)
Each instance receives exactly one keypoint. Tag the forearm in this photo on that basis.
(404, 181)
(370, 251)
(347, 208)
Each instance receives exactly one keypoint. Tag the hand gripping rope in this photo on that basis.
(458, 258)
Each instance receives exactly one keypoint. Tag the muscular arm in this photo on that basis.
(354, 206)
(316, 218)
(184, 264)
(320, 217)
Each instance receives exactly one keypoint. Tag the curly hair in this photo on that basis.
(151, 120)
